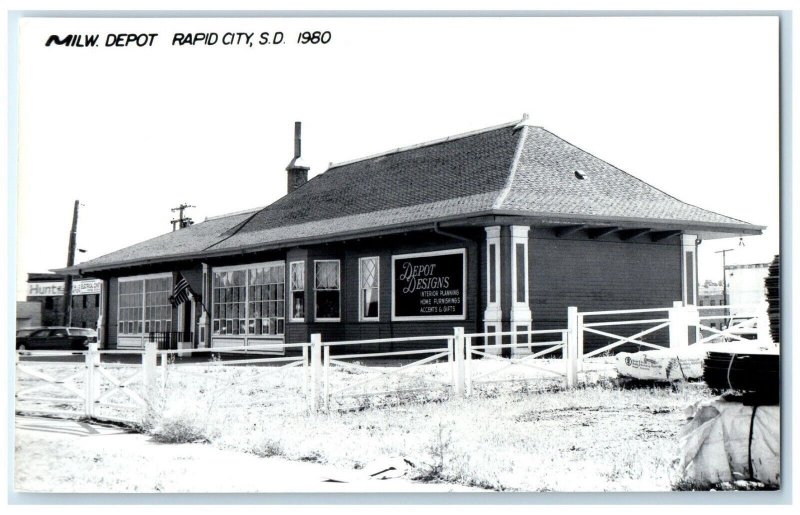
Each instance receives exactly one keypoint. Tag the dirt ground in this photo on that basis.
(53, 455)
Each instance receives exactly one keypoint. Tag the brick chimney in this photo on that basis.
(297, 169)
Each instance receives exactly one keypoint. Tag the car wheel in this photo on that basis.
(21, 347)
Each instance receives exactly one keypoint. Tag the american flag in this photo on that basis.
(180, 293)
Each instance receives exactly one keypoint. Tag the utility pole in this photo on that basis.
(182, 221)
(70, 261)
(725, 284)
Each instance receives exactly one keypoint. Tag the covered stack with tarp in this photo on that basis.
(661, 365)
(727, 441)
(735, 437)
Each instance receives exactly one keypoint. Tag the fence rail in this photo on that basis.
(331, 371)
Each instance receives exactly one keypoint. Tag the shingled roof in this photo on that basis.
(512, 169)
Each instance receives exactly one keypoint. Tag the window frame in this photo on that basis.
(291, 291)
(361, 289)
(143, 279)
(247, 268)
(338, 290)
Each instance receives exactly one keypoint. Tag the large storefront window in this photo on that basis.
(326, 290)
(249, 300)
(144, 305)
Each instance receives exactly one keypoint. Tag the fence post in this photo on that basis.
(458, 351)
(316, 373)
(164, 363)
(678, 326)
(579, 354)
(92, 381)
(326, 366)
(150, 370)
(571, 350)
(468, 366)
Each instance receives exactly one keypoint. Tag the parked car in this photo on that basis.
(55, 338)
(743, 327)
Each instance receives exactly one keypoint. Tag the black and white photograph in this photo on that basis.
(364, 254)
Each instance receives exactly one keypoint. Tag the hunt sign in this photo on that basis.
(429, 286)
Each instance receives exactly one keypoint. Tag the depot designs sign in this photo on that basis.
(89, 287)
(429, 286)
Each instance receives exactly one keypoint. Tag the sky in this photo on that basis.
(689, 105)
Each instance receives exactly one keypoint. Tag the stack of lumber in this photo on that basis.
(772, 283)
(752, 373)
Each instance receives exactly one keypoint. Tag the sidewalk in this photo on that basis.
(68, 456)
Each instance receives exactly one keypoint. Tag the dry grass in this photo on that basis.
(519, 435)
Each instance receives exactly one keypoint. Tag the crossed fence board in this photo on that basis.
(618, 339)
(46, 383)
(286, 362)
(746, 320)
(94, 376)
(489, 351)
(378, 373)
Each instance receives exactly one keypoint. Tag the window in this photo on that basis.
(520, 264)
(712, 303)
(131, 298)
(369, 288)
(265, 300)
(492, 273)
(229, 289)
(48, 302)
(249, 300)
(96, 300)
(326, 290)
(85, 301)
(297, 286)
(158, 309)
(144, 305)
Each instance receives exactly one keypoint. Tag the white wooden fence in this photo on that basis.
(327, 372)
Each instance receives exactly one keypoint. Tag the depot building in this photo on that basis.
(497, 229)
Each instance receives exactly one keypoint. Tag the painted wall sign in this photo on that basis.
(88, 287)
(429, 286)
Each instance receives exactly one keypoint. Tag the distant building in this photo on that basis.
(29, 314)
(711, 295)
(746, 284)
(47, 290)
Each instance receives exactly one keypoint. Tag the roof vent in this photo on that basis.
(580, 175)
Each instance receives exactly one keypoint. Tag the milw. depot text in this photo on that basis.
(192, 39)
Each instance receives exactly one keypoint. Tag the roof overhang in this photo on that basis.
(595, 225)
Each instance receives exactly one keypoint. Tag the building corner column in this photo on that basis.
(520, 316)
(101, 314)
(493, 314)
(689, 244)
(204, 322)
